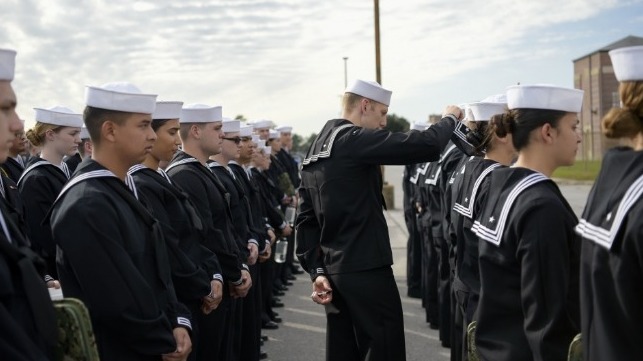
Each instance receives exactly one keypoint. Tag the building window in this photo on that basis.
(616, 100)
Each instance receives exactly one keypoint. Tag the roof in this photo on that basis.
(630, 40)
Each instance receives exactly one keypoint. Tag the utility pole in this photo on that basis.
(378, 63)
(345, 72)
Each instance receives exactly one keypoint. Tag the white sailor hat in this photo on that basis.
(496, 98)
(483, 111)
(628, 63)
(120, 96)
(84, 133)
(543, 96)
(201, 113)
(167, 110)
(273, 134)
(7, 64)
(371, 90)
(231, 125)
(245, 131)
(261, 124)
(284, 129)
(60, 116)
(419, 126)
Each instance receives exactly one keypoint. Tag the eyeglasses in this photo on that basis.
(236, 140)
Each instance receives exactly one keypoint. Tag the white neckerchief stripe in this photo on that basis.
(135, 168)
(5, 229)
(424, 168)
(65, 169)
(4, 195)
(326, 153)
(162, 172)
(468, 211)
(446, 153)
(181, 162)
(606, 237)
(495, 235)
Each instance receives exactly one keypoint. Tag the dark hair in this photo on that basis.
(628, 120)
(95, 117)
(520, 123)
(478, 137)
(157, 123)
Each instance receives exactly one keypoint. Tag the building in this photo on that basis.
(594, 74)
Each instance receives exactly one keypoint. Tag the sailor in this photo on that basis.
(29, 330)
(342, 237)
(612, 229)
(111, 251)
(528, 251)
(57, 133)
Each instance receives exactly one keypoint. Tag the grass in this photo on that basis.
(582, 170)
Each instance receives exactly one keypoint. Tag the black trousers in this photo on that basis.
(444, 290)
(212, 331)
(461, 297)
(429, 275)
(413, 255)
(266, 279)
(364, 321)
(251, 319)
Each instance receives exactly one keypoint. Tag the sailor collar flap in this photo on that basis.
(323, 145)
(491, 228)
(605, 233)
(470, 195)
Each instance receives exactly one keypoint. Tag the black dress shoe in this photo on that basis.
(283, 288)
(287, 283)
(291, 278)
(277, 304)
(276, 319)
(264, 338)
(278, 293)
(269, 325)
(296, 270)
(275, 314)
(263, 355)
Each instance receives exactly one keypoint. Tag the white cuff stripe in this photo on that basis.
(184, 322)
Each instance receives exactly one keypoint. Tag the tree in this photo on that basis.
(303, 145)
(240, 117)
(396, 123)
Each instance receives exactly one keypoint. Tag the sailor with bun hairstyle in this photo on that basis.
(612, 230)
(528, 250)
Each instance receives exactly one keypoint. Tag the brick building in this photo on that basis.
(594, 74)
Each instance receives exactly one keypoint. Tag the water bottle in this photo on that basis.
(281, 248)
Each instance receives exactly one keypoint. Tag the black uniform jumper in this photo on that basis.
(112, 256)
(529, 264)
(39, 186)
(342, 233)
(612, 260)
(13, 168)
(193, 265)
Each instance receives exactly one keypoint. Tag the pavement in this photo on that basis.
(301, 336)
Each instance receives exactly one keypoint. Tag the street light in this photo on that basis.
(345, 72)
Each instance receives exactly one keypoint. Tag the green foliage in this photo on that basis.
(301, 145)
(581, 170)
(396, 123)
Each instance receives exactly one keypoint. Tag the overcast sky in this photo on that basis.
(282, 59)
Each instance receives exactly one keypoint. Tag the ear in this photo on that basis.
(49, 135)
(108, 131)
(364, 105)
(195, 130)
(547, 133)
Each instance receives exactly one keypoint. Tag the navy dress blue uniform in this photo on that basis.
(211, 199)
(529, 269)
(13, 168)
(467, 193)
(342, 233)
(193, 265)
(27, 316)
(112, 256)
(39, 186)
(612, 259)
